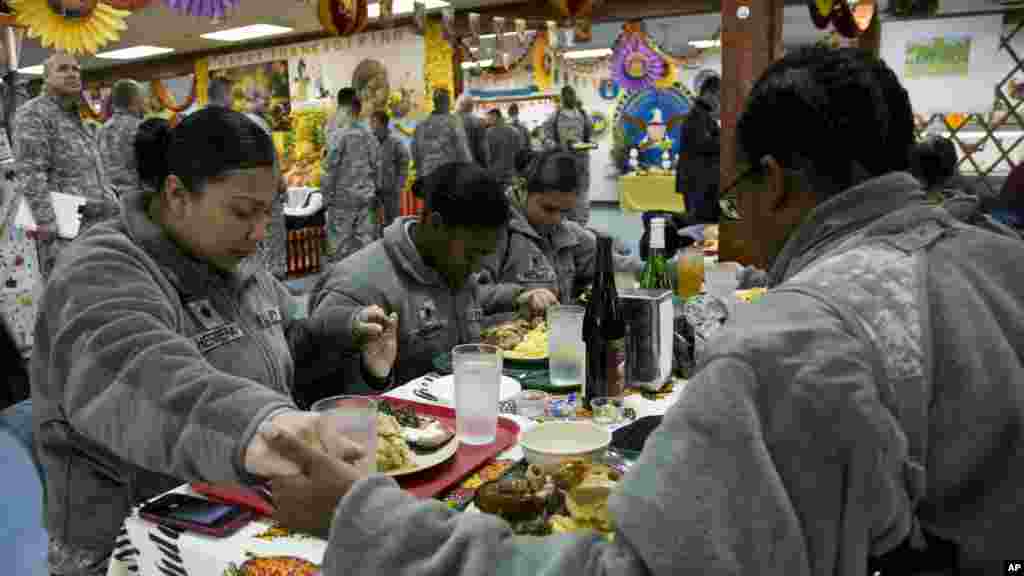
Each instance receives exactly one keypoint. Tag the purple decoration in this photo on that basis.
(202, 8)
(627, 47)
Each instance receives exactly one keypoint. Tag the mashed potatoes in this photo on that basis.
(392, 451)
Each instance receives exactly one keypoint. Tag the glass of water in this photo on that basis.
(354, 417)
(566, 351)
(477, 370)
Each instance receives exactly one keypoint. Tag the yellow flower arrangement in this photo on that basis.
(82, 35)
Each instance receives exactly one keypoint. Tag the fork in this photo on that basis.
(424, 385)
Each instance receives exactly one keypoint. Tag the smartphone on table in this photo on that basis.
(193, 514)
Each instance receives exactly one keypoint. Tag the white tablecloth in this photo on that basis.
(164, 552)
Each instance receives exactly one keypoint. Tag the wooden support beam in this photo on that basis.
(749, 45)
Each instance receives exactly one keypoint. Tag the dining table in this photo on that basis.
(151, 549)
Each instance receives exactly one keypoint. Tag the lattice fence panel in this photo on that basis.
(993, 151)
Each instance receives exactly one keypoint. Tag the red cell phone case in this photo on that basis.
(228, 528)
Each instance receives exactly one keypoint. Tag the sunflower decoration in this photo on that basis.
(635, 64)
(71, 26)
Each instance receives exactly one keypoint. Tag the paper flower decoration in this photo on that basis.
(202, 8)
(73, 27)
(635, 65)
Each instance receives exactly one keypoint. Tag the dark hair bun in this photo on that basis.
(151, 144)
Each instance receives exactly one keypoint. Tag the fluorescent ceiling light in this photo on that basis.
(404, 7)
(581, 54)
(481, 64)
(704, 44)
(489, 36)
(247, 33)
(35, 70)
(134, 53)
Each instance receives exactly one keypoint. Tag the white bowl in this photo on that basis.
(549, 444)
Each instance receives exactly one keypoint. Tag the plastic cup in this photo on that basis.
(477, 370)
(354, 417)
(566, 351)
(689, 272)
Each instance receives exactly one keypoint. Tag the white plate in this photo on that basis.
(444, 388)
(424, 461)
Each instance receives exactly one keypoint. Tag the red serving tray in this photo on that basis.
(427, 483)
(435, 481)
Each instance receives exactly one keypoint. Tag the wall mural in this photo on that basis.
(261, 89)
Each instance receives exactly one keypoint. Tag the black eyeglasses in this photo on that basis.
(745, 175)
(727, 198)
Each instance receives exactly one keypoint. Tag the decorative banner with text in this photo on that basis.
(380, 65)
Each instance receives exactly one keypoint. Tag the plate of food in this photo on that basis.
(572, 499)
(522, 341)
(408, 442)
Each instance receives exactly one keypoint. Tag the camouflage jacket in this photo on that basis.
(350, 166)
(565, 127)
(503, 143)
(438, 140)
(116, 141)
(56, 152)
(393, 167)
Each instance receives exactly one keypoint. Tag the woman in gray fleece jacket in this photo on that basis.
(160, 347)
(541, 249)
(866, 414)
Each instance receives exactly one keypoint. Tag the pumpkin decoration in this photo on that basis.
(71, 26)
(214, 9)
(955, 120)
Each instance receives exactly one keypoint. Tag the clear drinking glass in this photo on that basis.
(354, 417)
(566, 351)
(477, 370)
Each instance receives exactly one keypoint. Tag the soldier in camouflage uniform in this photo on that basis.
(117, 136)
(56, 152)
(513, 121)
(393, 168)
(349, 183)
(439, 139)
(570, 125)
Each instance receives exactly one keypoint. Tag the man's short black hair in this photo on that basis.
(513, 110)
(124, 93)
(851, 107)
(465, 195)
(219, 90)
(347, 98)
